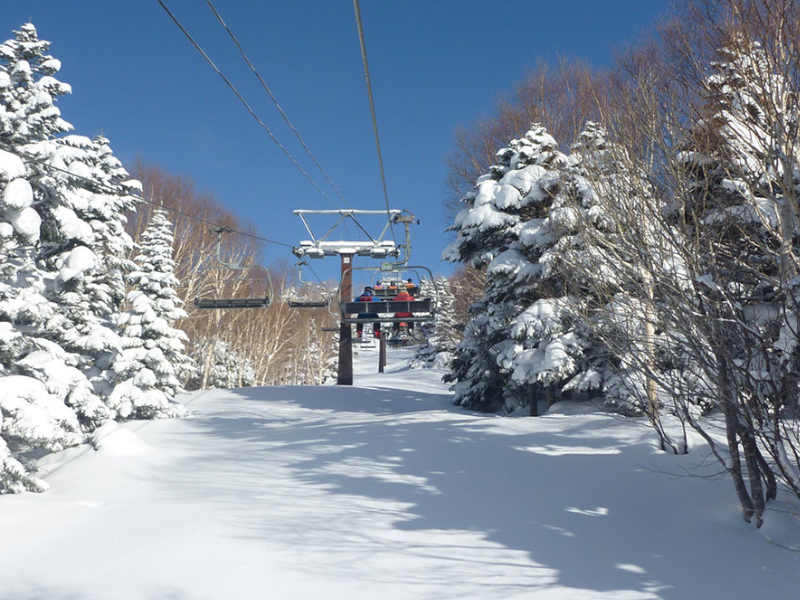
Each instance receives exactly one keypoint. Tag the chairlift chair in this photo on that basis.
(300, 300)
(214, 303)
(422, 310)
(231, 302)
(307, 303)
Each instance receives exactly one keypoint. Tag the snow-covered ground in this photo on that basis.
(384, 490)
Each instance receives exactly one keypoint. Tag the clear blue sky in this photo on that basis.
(435, 65)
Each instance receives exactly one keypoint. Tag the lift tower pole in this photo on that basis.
(345, 372)
(374, 247)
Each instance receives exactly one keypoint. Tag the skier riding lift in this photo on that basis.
(366, 296)
(403, 296)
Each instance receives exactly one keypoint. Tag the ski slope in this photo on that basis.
(384, 490)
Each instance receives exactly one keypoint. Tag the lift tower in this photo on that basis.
(373, 247)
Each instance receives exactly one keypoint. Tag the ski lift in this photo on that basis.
(213, 303)
(303, 297)
(421, 310)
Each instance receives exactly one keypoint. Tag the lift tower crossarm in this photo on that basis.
(344, 211)
(318, 247)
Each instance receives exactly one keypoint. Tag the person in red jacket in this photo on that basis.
(402, 297)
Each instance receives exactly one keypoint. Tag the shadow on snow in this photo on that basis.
(585, 506)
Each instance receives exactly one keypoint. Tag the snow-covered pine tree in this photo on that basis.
(37, 377)
(62, 255)
(550, 356)
(228, 368)
(153, 359)
(488, 229)
(82, 193)
(612, 263)
(28, 89)
(741, 204)
(442, 336)
(85, 243)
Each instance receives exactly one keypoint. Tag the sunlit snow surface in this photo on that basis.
(384, 490)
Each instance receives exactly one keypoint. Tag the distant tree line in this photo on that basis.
(276, 345)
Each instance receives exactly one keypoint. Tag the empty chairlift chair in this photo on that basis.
(307, 294)
(213, 303)
(231, 302)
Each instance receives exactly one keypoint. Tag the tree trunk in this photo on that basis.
(751, 454)
(729, 407)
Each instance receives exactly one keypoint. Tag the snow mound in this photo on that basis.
(114, 439)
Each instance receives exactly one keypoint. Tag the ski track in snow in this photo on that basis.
(383, 490)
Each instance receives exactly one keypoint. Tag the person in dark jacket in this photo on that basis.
(367, 296)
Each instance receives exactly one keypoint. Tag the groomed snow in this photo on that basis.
(384, 490)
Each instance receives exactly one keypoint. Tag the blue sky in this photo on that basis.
(435, 65)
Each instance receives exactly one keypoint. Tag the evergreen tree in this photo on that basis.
(52, 251)
(228, 368)
(28, 89)
(84, 241)
(38, 376)
(741, 205)
(515, 191)
(153, 358)
(527, 340)
(442, 336)
(613, 306)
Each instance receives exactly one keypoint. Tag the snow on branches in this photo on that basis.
(153, 361)
(64, 249)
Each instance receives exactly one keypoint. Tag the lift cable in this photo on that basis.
(274, 99)
(361, 41)
(361, 227)
(314, 273)
(243, 101)
(112, 190)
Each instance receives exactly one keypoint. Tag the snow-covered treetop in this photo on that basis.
(537, 146)
(28, 89)
(155, 272)
(524, 177)
(752, 114)
(592, 142)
